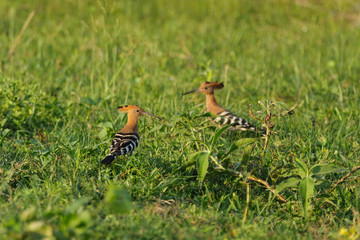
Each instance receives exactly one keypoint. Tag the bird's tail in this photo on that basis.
(108, 159)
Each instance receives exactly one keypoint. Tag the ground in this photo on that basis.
(66, 66)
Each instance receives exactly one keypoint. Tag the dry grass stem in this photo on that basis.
(344, 178)
(18, 38)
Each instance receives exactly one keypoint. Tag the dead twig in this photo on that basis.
(247, 201)
(344, 178)
(267, 121)
(252, 178)
(253, 115)
(267, 185)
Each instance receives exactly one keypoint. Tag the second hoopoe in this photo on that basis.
(223, 116)
(127, 139)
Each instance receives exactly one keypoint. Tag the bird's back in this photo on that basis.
(123, 143)
(228, 118)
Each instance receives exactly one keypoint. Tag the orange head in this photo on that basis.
(134, 111)
(207, 88)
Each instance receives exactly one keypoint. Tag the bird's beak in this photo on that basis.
(149, 114)
(192, 91)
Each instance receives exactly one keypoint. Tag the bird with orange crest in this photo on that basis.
(127, 139)
(222, 116)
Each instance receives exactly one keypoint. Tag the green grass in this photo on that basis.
(78, 60)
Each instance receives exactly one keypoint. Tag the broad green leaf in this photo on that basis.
(245, 141)
(77, 221)
(118, 200)
(306, 190)
(246, 155)
(217, 135)
(202, 164)
(320, 169)
(102, 134)
(28, 214)
(74, 206)
(302, 168)
(240, 143)
(105, 125)
(291, 182)
(191, 161)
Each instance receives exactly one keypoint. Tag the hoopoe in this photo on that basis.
(127, 139)
(223, 116)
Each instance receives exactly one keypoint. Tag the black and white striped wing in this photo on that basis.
(124, 143)
(227, 118)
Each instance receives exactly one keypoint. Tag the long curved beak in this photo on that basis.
(149, 114)
(192, 91)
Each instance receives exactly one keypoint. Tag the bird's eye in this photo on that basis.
(206, 88)
(137, 111)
